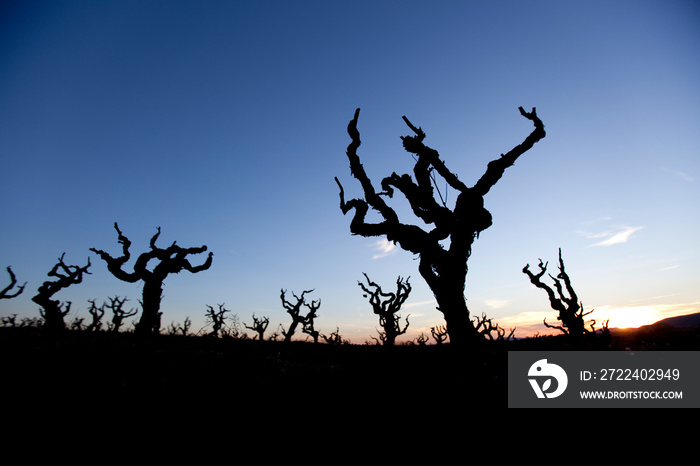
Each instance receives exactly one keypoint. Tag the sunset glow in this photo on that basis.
(636, 316)
(529, 324)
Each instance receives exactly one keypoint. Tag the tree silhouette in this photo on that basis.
(310, 319)
(259, 325)
(294, 310)
(439, 333)
(52, 310)
(5, 293)
(177, 329)
(116, 305)
(97, 313)
(387, 305)
(485, 326)
(570, 310)
(334, 338)
(77, 323)
(444, 268)
(170, 260)
(217, 319)
(421, 339)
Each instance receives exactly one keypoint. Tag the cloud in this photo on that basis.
(430, 305)
(384, 248)
(496, 303)
(612, 237)
(528, 323)
(680, 174)
(429, 302)
(619, 237)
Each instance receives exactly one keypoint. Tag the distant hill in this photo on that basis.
(686, 321)
(672, 333)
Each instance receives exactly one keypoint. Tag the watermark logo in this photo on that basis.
(542, 374)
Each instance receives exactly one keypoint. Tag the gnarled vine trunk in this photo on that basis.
(443, 266)
(170, 260)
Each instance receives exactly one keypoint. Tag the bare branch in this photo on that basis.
(5, 294)
(497, 167)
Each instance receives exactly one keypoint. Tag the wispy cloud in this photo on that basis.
(611, 237)
(431, 304)
(384, 248)
(496, 303)
(680, 174)
(528, 323)
(619, 237)
(651, 298)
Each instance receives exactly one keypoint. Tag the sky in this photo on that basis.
(224, 124)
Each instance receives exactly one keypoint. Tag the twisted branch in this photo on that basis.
(5, 294)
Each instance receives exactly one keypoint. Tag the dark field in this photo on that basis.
(201, 373)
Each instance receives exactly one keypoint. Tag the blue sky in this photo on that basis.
(224, 123)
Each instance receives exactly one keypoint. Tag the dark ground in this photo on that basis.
(171, 372)
(122, 366)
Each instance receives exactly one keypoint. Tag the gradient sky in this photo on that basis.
(224, 123)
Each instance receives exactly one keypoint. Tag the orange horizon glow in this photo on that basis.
(637, 316)
(529, 324)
